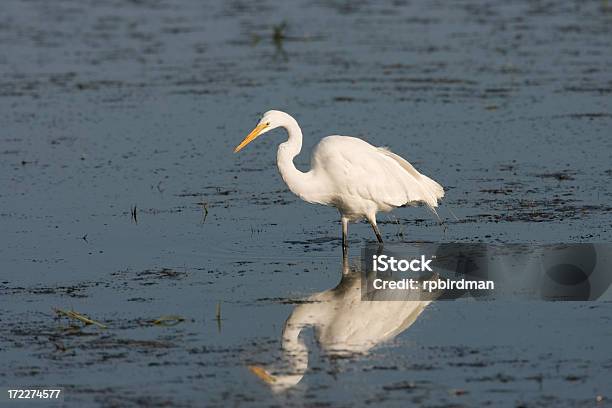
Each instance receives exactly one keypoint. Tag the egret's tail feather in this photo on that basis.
(431, 190)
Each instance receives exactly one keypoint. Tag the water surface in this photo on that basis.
(110, 105)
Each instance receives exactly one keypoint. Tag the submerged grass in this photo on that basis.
(218, 316)
(77, 316)
(170, 320)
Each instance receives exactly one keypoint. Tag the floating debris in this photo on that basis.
(218, 316)
(59, 346)
(77, 316)
(167, 321)
(204, 205)
(134, 212)
(402, 385)
(278, 33)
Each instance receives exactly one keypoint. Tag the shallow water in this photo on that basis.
(109, 105)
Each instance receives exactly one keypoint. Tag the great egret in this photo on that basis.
(348, 173)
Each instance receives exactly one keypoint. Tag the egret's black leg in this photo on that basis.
(376, 231)
(344, 232)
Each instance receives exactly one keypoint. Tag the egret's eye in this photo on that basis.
(267, 123)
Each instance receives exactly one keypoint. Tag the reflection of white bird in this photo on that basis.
(348, 173)
(344, 325)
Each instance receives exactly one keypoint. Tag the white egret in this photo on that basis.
(348, 173)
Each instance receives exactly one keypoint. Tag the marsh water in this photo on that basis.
(121, 199)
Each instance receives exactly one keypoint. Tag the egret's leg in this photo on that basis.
(345, 263)
(345, 222)
(376, 231)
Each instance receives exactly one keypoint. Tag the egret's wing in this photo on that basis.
(356, 168)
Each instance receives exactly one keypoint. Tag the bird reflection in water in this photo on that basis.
(344, 325)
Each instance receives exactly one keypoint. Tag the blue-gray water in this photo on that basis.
(106, 105)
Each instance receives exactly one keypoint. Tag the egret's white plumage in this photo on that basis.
(348, 173)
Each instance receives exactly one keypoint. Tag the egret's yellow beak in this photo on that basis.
(262, 374)
(252, 136)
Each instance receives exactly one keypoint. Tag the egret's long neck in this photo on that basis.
(295, 351)
(295, 179)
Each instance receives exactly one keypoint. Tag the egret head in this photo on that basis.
(270, 120)
(278, 383)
